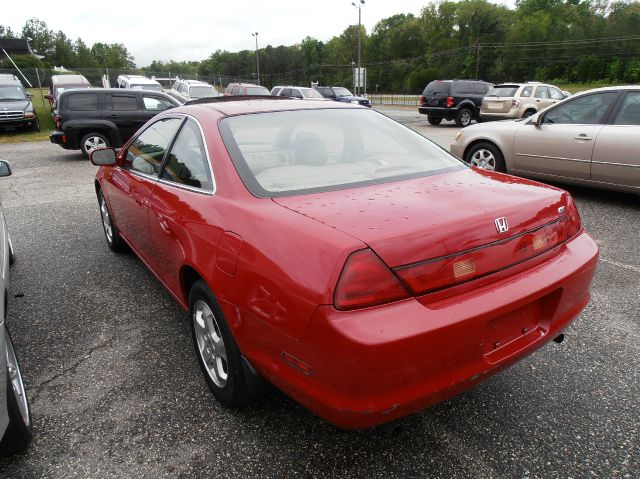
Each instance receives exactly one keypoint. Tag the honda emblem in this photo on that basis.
(502, 225)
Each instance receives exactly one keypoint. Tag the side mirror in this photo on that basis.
(103, 156)
(540, 119)
(29, 96)
(48, 97)
(5, 168)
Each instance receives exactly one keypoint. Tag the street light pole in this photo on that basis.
(257, 57)
(359, 7)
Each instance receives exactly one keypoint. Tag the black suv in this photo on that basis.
(458, 100)
(16, 108)
(100, 117)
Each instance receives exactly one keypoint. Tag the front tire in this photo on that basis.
(111, 232)
(20, 429)
(464, 117)
(36, 125)
(216, 350)
(486, 156)
(93, 141)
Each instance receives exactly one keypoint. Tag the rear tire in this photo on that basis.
(464, 117)
(528, 113)
(20, 428)
(486, 156)
(216, 350)
(93, 141)
(434, 120)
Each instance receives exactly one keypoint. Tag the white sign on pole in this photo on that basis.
(361, 77)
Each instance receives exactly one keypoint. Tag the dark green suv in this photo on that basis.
(16, 108)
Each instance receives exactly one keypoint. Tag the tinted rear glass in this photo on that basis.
(257, 90)
(83, 102)
(503, 90)
(437, 88)
(462, 88)
(292, 152)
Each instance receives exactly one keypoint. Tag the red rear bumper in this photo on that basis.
(378, 364)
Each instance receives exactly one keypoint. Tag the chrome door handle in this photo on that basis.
(582, 137)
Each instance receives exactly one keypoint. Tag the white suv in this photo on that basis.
(185, 90)
(137, 82)
(296, 92)
(518, 100)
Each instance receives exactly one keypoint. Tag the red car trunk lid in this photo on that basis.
(416, 220)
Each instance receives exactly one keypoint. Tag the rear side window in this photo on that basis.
(154, 103)
(462, 88)
(629, 113)
(526, 92)
(437, 88)
(83, 102)
(187, 162)
(121, 103)
(147, 151)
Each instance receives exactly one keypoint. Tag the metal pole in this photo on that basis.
(40, 86)
(257, 57)
(359, 65)
(19, 71)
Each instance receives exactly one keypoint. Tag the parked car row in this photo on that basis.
(468, 100)
(286, 225)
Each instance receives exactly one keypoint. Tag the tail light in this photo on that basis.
(439, 273)
(366, 281)
(515, 103)
(449, 102)
(575, 225)
(58, 120)
(421, 100)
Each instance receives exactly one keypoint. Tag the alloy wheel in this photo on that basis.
(483, 159)
(210, 343)
(93, 143)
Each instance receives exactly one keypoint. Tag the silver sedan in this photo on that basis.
(590, 139)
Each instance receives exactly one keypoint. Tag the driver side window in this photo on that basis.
(585, 110)
(147, 151)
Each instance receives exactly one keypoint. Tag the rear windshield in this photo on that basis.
(203, 92)
(292, 152)
(437, 88)
(257, 90)
(503, 90)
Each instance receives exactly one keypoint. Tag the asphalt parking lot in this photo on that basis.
(116, 392)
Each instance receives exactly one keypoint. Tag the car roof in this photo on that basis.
(122, 91)
(230, 106)
(67, 79)
(245, 84)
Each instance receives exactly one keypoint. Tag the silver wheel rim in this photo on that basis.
(16, 381)
(210, 343)
(106, 220)
(465, 118)
(93, 143)
(483, 159)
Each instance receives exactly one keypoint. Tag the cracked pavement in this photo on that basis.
(116, 392)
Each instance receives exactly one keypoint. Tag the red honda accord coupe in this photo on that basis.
(341, 256)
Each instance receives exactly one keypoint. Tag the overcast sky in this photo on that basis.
(181, 30)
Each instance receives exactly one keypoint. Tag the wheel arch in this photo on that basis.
(188, 277)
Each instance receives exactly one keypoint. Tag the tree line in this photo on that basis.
(564, 41)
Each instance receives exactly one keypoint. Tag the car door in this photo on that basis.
(185, 189)
(616, 155)
(562, 144)
(123, 110)
(131, 183)
(542, 97)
